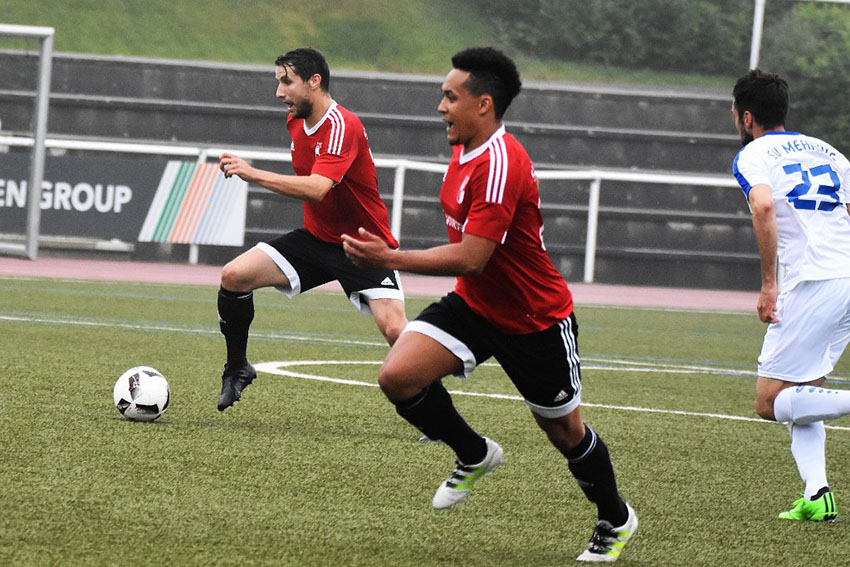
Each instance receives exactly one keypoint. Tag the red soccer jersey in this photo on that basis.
(492, 192)
(337, 148)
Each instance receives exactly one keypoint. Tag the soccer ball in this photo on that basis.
(141, 394)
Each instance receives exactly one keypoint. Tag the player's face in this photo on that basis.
(459, 108)
(746, 136)
(294, 92)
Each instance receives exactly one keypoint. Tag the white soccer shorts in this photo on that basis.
(812, 333)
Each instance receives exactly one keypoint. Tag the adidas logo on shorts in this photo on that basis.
(387, 281)
(561, 395)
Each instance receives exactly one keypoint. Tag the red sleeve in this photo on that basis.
(493, 201)
(339, 148)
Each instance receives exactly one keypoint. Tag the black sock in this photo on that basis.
(591, 466)
(433, 413)
(235, 313)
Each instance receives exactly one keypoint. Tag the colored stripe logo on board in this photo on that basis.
(195, 204)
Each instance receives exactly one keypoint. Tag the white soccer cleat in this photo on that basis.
(457, 486)
(607, 542)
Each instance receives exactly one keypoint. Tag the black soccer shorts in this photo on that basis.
(309, 262)
(544, 366)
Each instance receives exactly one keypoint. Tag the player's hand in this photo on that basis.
(369, 251)
(767, 304)
(231, 164)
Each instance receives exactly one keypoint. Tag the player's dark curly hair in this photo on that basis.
(492, 72)
(306, 62)
(765, 95)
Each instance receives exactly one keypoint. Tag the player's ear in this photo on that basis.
(485, 104)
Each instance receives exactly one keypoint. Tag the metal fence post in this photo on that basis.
(398, 200)
(45, 63)
(592, 226)
(193, 248)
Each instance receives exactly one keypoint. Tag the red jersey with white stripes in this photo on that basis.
(492, 192)
(337, 148)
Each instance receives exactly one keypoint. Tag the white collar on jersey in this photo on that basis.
(464, 157)
(311, 131)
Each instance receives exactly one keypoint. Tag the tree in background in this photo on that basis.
(807, 42)
(689, 36)
(810, 46)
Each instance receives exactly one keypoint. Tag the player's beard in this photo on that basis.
(302, 109)
(746, 137)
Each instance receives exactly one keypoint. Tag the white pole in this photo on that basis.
(592, 228)
(758, 24)
(398, 201)
(193, 248)
(37, 164)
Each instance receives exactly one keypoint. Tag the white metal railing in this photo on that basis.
(401, 166)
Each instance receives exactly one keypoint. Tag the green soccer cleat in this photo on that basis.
(820, 509)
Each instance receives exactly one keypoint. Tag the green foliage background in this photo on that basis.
(684, 35)
(807, 42)
(811, 48)
(414, 36)
(701, 43)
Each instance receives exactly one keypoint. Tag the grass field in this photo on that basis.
(411, 36)
(311, 472)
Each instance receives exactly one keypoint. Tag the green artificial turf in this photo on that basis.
(310, 472)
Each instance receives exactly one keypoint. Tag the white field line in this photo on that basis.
(186, 330)
(278, 368)
(632, 366)
(588, 363)
(274, 367)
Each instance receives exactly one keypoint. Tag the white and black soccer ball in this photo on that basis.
(141, 394)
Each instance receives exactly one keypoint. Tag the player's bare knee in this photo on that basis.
(233, 279)
(390, 382)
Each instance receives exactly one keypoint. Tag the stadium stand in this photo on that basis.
(648, 234)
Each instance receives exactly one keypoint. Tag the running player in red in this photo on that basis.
(509, 302)
(337, 182)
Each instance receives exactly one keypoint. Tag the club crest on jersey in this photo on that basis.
(318, 148)
(461, 192)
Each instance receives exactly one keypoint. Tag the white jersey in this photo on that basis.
(810, 182)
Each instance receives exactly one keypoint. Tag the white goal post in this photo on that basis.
(45, 37)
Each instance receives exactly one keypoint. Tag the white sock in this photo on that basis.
(807, 446)
(809, 404)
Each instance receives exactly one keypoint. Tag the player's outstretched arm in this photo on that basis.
(467, 257)
(312, 187)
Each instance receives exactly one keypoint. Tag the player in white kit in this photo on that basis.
(798, 188)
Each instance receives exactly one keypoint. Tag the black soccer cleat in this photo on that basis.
(233, 381)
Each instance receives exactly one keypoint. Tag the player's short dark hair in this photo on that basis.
(492, 72)
(765, 95)
(306, 62)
